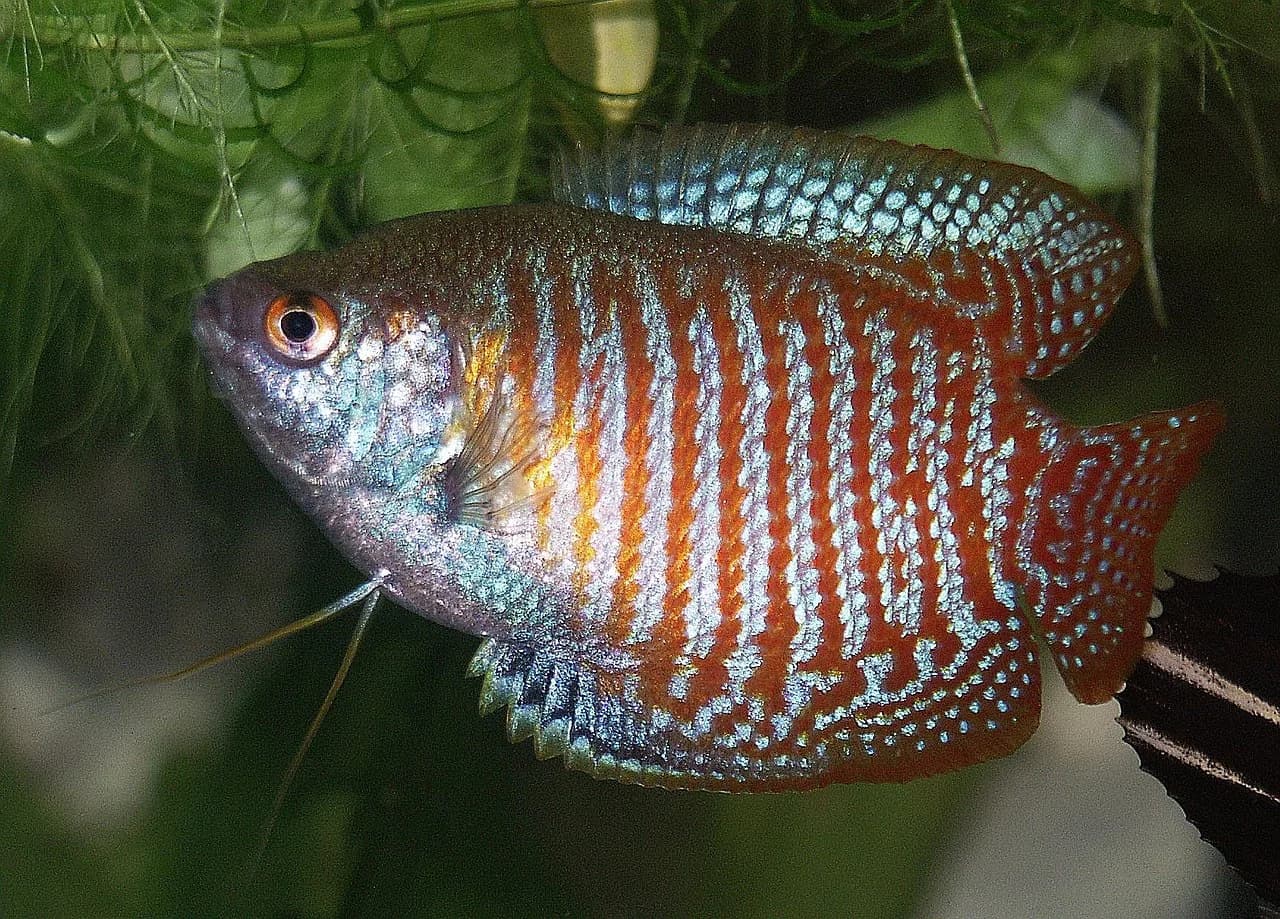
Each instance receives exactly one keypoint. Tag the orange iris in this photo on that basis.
(301, 326)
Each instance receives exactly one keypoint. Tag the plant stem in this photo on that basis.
(962, 60)
(51, 31)
(1150, 102)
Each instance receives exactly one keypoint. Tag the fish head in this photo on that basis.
(335, 378)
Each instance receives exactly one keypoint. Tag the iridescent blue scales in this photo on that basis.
(725, 454)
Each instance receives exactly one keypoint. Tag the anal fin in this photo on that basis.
(555, 699)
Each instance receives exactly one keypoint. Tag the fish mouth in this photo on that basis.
(208, 328)
(207, 325)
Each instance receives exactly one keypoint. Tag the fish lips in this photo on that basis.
(229, 313)
(206, 324)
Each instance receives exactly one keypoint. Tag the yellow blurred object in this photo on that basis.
(611, 47)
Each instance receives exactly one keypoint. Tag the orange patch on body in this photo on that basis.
(482, 375)
(400, 321)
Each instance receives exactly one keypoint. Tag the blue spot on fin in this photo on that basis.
(1086, 546)
(1002, 245)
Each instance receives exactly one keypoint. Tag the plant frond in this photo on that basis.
(216, 132)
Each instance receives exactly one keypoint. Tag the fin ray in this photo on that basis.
(1022, 255)
(1087, 545)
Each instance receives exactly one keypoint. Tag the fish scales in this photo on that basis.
(768, 311)
(696, 563)
(726, 456)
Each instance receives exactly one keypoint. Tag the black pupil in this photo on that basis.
(297, 326)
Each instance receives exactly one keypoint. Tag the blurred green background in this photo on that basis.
(148, 146)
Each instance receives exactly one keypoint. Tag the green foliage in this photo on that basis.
(213, 136)
(80, 295)
(216, 133)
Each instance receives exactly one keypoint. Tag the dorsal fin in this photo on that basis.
(1026, 257)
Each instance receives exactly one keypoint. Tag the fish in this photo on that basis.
(1202, 711)
(724, 452)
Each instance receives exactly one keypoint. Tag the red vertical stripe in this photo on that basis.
(780, 621)
(826, 558)
(520, 364)
(669, 633)
(713, 674)
(635, 443)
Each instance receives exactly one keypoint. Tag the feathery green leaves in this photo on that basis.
(149, 145)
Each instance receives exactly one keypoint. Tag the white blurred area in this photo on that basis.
(1069, 826)
(97, 762)
(130, 578)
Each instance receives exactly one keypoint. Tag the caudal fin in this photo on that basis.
(1086, 547)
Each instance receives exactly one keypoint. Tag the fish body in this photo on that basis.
(726, 454)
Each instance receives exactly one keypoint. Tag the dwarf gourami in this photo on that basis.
(724, 454)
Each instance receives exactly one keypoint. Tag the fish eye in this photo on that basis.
(301, 326)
